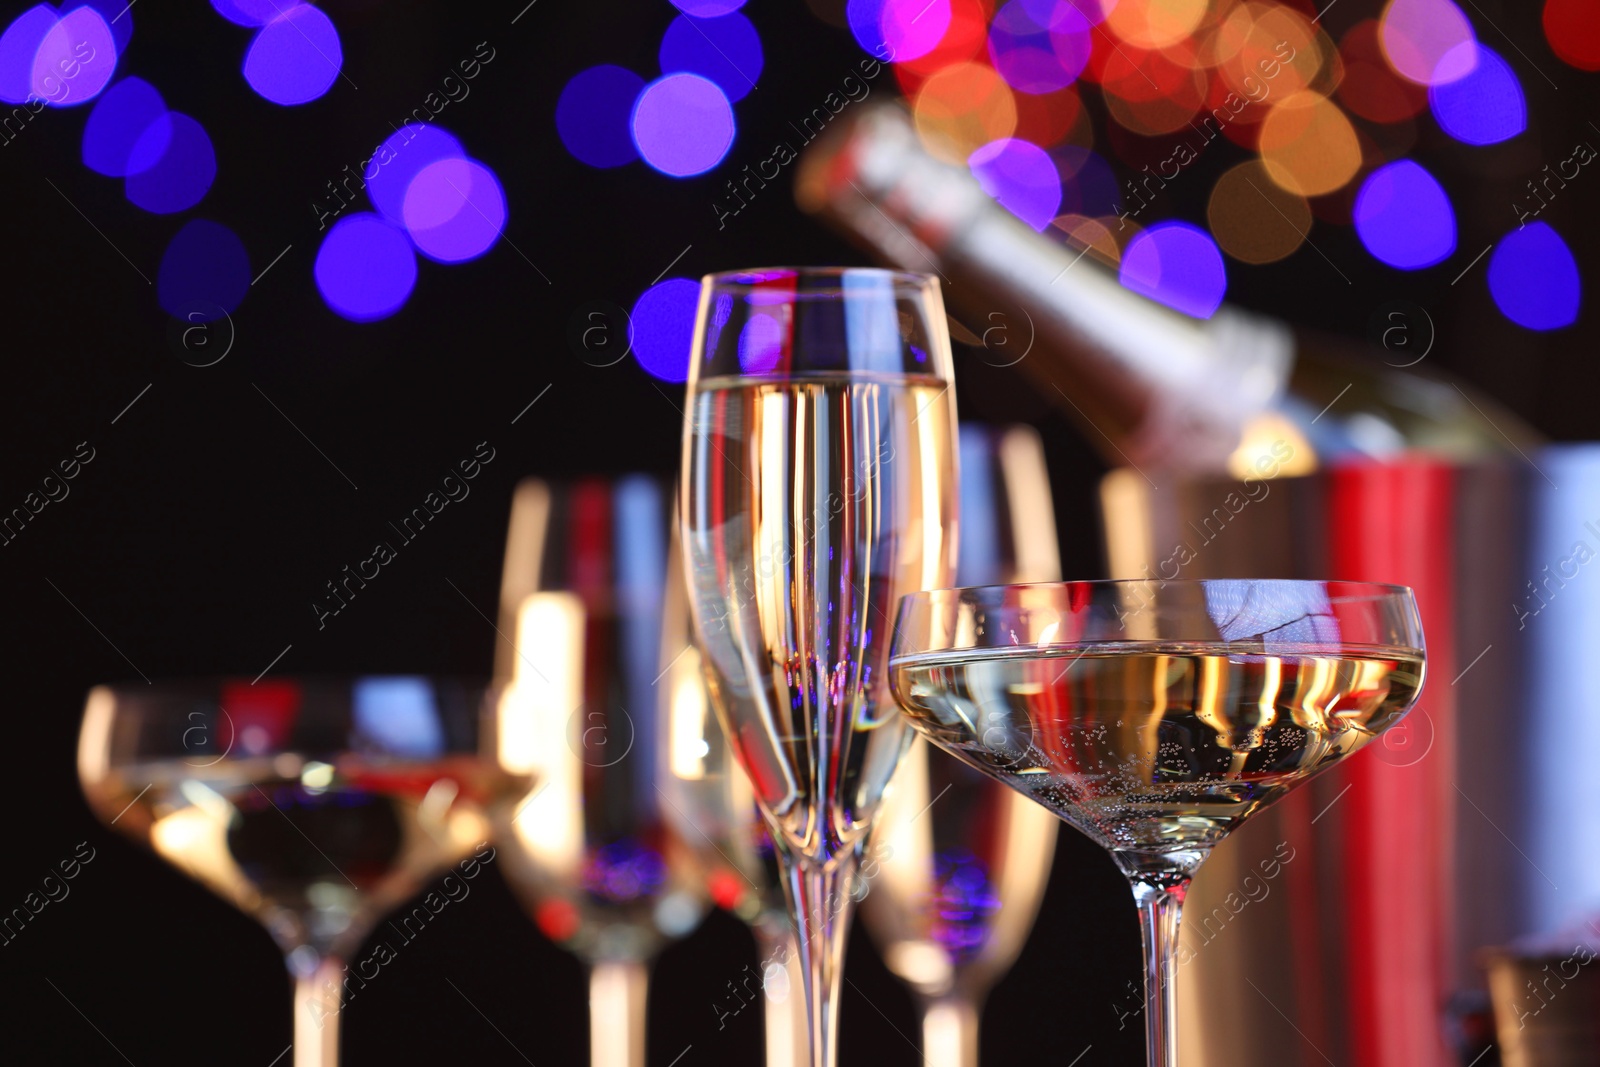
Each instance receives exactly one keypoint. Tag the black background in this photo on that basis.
(197, 538)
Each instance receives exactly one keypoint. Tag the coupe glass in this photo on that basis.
(1157, 716)
(315, 806)
(959, 861)
(599, 869)
(819, 479)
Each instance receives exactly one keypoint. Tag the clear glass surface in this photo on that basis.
(315, 806)
(819, 475)
(1156, 717)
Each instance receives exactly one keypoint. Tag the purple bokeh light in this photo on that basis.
(251, 12)
(454, 210)
(593, 112)
(1088, 183)
(1036, 58)
(205, 272)
(1022, 177)
(1429, 42)
(119, 119)
(1062, 14)
(661, 327)
(19, 46)
(118, 16)
(1485, 106)
(1403, 216)
(1178, 265)
(707, 9)
(295, 57)
(761, 341)
(898, 30)
(403, 155)
(172, 165)
(727, 50)
(682, 125)
(75, 60)
(1534, 279)
(365, 268)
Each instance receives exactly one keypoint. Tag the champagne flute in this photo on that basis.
(962, 861)
(1155, 716)
(589, 854)
(819, 473)
(314, 806)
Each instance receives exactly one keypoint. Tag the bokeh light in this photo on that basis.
(172, 165)
(205, 272)
(1095, 237)
(1034, 58)
(1371, 88)
(1089, 184)
(682, 125)
(1423, 40)
(1022, 177)
(119, 119)
(707, 9)
(763, 338)
(295, 58)
(1178, 265)
(1253, 218)
(1047, 118)
(1403, 216)
(251, 12)
(365, 268)
(661, 327)
(899, 30)
(1308, 145)
(75, 60)
(726, 50)
(454, 210)
(1485, 106)
(966, 38)
(1573, 29)
(592, 115)
(18, 47)
(118, 16)
(1534, 279)
(1155, 23)
(962, 108)
(401, 157)
(1051, 13)
(1154, 92)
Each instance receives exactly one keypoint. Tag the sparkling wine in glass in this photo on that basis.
(960, 861)
(819, 479)
(315, 806)
(590, 854)
(1155, 716)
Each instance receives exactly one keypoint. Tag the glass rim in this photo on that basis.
(1358, 590)
(186, 686)
(749, 279)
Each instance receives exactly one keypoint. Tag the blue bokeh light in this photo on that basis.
(707, 9)
(1403, 216)
(1534, 279)
(1178, 265)
(1485, 106)
(19, 45)
(119, 119)
(118, 16)
(727, 50)
(75, 60)
(251, 12)
(1022, 177)
(365, 268)
(661, 327)
(402, 156)
(1036, 58)
(592, 115)
(172, 165)
(763, 340)
(454, 210)
(295, 58)
(898, 30)
(1088, 183)
(205, 272)
(682, 125)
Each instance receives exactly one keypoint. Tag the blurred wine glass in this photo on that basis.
(962, 860)
(597, 867)
(314, 806)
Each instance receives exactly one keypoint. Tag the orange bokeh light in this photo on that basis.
(1155, 23)
(963, 107)
(1308, 145)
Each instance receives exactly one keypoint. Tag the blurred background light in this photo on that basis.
(1308, 145)
(1155, 23)
(682, 125)
(1089, 184)
(251, 12)
(1093, 236)
(75, 60)
(962, 108)
(661, 327)
(899, 30)
(1422, 39)
(403, 155)
(120, 117)
(1403, 216)
(294, 58)
(1022, 177)
(707, 9)
(761, 341)
(1534, 279)
(172, 165)
(19, 45)
(1485, 106)
(205, 272)
(1371, 88)
(1572, 27)
(1035, 58)
(118, 16)
(1052, 13)
(726, 50)
(454, 210)
(1178, 265)
(593, 112)
(1047, 118)
(1254, 219)
(365, 268)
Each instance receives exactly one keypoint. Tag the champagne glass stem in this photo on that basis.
(617, 990)
(1160, 909)
(950, 1033)
(783, 1001)
(821, 905)
(317, 992)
